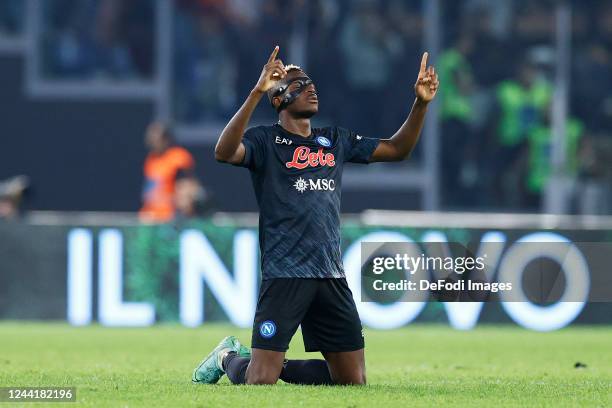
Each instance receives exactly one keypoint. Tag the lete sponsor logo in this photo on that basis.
(303, 157)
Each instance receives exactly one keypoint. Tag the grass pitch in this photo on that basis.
(420, 365)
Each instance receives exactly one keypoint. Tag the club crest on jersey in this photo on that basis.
(267, 329)
(323, 141)
(303, 157)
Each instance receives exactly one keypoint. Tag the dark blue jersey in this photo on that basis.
(297, 182)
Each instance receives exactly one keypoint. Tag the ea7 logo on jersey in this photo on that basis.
(302, 158)
(302, 185)
(282, 140)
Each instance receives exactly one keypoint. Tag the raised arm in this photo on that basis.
(229, 147)
(401, 144)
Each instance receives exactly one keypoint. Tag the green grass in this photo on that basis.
(421, 365)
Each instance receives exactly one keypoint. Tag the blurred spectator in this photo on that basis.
(220, 46)
(206, 67)
(368, 48)
(523, 104)
(323, 28)
(12, 193)
(594, 194)
(534, 22)
(538, 167)
(592, 100)
(406, 23)
(98, 38)
(459, 140)
(488, 23)
(164, 164)
(191, 199)
(11, 17)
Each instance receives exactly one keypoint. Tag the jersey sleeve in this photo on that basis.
(254, 141)
(357, 149)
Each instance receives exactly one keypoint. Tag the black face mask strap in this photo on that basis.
(290, 96)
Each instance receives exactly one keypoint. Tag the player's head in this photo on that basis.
(158, 137)
(296, 94)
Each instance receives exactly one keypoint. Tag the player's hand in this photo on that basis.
(427, 83)
(272, 72)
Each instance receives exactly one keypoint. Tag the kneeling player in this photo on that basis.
(296, 172)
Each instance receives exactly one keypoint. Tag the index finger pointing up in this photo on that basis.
(273, 55)
(423, 63)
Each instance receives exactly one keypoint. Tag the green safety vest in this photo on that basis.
(453, 105)
(540, 147)
(521, 109)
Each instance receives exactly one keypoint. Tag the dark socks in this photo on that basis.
(307, 372)
(235, 367)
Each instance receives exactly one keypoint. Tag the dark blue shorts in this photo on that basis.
(323, 307)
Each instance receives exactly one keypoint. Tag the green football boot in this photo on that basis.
(210, 370)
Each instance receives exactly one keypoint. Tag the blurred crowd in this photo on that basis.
(497, 68)
(11, 17)
(88, 39)
(355, 50)
(496, 65)
(218, 52)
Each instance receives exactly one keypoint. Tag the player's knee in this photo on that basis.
(261, 378)
(261, 375)
(355, 378)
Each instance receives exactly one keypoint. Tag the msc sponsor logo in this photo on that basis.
(302, 185)
(303, 157)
